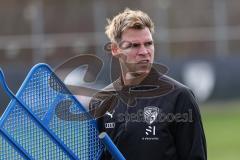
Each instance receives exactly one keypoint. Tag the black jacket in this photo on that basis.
(158, 119)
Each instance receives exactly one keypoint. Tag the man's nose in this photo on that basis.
(142, 50)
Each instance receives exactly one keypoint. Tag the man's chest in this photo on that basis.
(147, 121)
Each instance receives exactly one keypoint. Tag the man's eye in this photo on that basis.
(135, 45)
(148, 43)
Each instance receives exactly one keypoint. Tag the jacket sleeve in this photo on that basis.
(189, 134)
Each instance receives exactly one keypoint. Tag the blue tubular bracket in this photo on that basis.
(8, 139)
(40, 125)
(117, 155)
(48, 127)
(4, 85)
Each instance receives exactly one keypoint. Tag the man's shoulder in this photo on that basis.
(104, 93)
(182, 96)
(178, 87)
(165, 82)
(103, 101)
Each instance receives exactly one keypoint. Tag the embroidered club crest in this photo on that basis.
(150, 114)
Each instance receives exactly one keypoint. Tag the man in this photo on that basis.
(148, 115)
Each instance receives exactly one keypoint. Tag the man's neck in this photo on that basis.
(133, 78)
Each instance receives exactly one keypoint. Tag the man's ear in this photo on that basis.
(114, 49)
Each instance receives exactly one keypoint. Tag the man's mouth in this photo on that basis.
(143, 61)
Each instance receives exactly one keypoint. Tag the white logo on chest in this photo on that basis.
(110, 125)
(110, 114)
(150, 114)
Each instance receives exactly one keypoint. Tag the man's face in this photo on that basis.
(136, 50)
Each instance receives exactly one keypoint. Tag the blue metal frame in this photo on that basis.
(43, 122)
(110, 146)
(33, 117)
(49, 114)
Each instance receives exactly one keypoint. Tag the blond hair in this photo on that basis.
(125, 20)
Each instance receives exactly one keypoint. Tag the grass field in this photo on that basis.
(222, 128)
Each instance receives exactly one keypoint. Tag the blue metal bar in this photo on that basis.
(4, 85)
(49, 133)
(116, 154)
